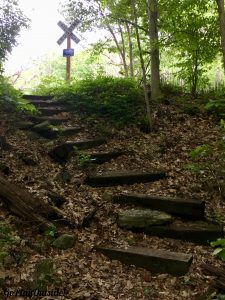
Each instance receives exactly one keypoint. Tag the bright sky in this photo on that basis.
(41, 37)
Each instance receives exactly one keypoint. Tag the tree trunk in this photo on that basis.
(152, 6)
(220, 5)
(24, 205)
(123, 52)
(129, 32)
(148, 110)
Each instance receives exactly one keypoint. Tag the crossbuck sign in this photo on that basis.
(68, 34)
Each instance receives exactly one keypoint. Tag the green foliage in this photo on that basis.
(12, 21)
(200, 151)
(10, 98)
(209, 159)
(51, 232)
(83, 159)
(192, 38)
(117, 100)
(7, 241)
(219, 244)
(216, 107)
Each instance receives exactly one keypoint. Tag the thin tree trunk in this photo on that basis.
(123, 58)
(148, 110)
(129, 32)
(220, 5)
(152, 6)
(123, 51)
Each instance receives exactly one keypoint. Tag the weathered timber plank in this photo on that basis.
(154, 260)
(61, 153)
(45, 103)
(24, 205)
(178, 206)
(51, 120)
(102, 157)
(124, 177)
(197, 232)
(48, 111)
(37, 97)
(44, 129)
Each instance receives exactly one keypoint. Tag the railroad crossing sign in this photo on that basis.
(68, 34)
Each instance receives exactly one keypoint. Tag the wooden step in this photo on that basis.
(102, 157)
(154, 260)
(123, 177)
(37, 97)
(49, 111)
(24, 125)
(52, 120)
(61, 153)
(197, 232)
(45, 103)
(44, 130)
(177, 206)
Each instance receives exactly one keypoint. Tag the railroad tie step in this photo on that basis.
(123, 177)
(46, 130)
(45, 103)
(198, 232)
(154, 260)
(102, 157)
(52, 120)
(62, 152)
(192, 208)
(37, 97)
(49, 111)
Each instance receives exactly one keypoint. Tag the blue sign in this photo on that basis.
(68, 52)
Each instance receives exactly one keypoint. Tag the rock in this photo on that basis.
(192, 208)
(4, 169)
(65, 241)
(56, 199)
(142, 218)
(64, 176)
(3, 144)
(28, 159)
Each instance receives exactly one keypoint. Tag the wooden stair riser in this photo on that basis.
(123, 178)
(178, 206)
(154, 260)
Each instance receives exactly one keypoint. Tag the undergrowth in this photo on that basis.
(11, 99)
(117, 100)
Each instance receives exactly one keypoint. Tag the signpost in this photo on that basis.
(68, 34)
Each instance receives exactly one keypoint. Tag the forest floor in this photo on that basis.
(84, 273)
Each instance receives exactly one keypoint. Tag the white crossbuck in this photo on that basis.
(68, 32)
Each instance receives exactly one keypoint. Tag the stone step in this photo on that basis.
(37, 97)
(61, 153)
(102, 157)
(123, 177)
(52, 120)
(49, 111)
(153, 260)
(197, 232)
(178, 206)
(45, 130)
(142, 218)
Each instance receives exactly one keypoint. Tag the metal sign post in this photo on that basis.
(68, 34)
